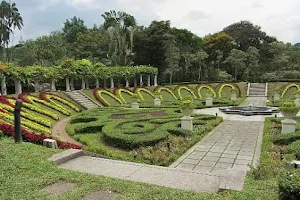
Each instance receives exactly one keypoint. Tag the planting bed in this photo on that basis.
(39, 113)
(150, 136)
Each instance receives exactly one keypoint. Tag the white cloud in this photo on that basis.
(278, 18)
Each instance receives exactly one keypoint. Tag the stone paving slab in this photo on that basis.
(161, 176)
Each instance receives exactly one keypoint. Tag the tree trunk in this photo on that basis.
(97, 83)
(53, 87)
(18, 86)
(235, 73)
(82, 84)
(112, 84)
(199, 74)
(67, 84)
(155, 80)
(72, 84)
(148, 80)
(127, 83)
(141, 80)
(104, 83)
(3, 86)
(36, 86)
(171, 77)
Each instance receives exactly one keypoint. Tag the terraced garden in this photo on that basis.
(286, 91)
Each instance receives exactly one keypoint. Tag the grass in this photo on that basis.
(25, 166)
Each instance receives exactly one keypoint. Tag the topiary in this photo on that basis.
(289, 109)
(294, 148)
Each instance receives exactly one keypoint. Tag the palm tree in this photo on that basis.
(10, 19)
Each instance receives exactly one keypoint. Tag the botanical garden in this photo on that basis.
(120, 111)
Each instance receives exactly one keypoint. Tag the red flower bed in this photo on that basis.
(22, 97)
(43, 97)
(28, 136)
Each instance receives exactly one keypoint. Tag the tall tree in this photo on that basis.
(199, 58)
(237, 59)
(112, 18)
(172, 56)
(253, 69)
(10, 20)
(245, 34)
(72, 28)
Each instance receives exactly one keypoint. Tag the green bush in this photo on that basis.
(286, 138)
(289, 185)
(293, 148)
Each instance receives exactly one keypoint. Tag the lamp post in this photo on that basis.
(18, 133)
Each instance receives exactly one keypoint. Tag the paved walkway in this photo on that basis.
(220, 160)
(59, 130)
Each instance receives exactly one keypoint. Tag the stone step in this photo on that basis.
(82, 99)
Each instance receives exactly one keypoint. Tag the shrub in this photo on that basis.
(294, 148)
(289, 187)
(286, 138)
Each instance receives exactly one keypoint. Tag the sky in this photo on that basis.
(278, 18)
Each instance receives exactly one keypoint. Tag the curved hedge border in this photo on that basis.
(103, 101)
(140, 90)
(168, 90)
(179, 88)
(200, 87)
(119, 92)
(288, 87)
(232, 86)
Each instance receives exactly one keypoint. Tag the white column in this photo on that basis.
(3, 86)
(112, 84)
(87, 85)
(36, 86)
(127, 82)
(18, 86)
(104, 83)
(97, 83)
(82, 84)
(72, 84)
(134, 82)
(155, 80)
(53, 87)
(141, 80)
(67, 84)
(148, 80)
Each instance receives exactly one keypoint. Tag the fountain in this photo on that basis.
(249, 110)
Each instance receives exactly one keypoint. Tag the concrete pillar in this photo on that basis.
(135, 105)
(141, 79)
(276, 97)
(127, 82)
(297, 102)
(288, 126)
(97, 83)
(72, 84)
(68, 84)
(18, 86)
(36, 86)
(50, 143)
(53, 86)
(208, 101)
(233, 96)
(157, 102)
(82, 84)
(148, 80)
(187, 123)
(155, 80)
(112, 84)
(3, 86)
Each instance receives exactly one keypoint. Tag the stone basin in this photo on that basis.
(249, 110)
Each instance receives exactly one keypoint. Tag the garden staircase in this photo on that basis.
(257, 89)
(83, 99)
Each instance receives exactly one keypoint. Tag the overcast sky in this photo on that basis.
(277, 17)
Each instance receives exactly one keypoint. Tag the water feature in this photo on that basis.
(249, 110)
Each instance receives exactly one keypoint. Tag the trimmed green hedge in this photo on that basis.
(285, 139)
(294, 148)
